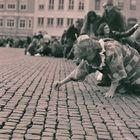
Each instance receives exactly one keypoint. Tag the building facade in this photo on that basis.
(130, 9)
(16, 18)
(55, 16)
(25, 17)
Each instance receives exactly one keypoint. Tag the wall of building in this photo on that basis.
(131, 13)
(89, 5)
(32, 13)
(56, 13)
(17, 14)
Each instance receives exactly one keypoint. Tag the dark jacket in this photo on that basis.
(72, 33)
(63, 38)
(119, 35)
(124, 37)
(116, 34)
(114, 19)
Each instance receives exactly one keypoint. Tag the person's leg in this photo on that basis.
(106, 81)
(64, 51)
(31, 49)
(69, 46)
(71, 54)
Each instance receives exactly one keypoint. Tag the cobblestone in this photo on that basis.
(30, 108)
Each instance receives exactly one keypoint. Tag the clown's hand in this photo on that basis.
(113, 87)
(57, 85)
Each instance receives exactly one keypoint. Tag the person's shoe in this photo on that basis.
(104, 83)
(37, 54)
(27, 53)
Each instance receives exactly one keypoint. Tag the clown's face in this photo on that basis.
(90, 57)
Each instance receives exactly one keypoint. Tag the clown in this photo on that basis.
(120, 62)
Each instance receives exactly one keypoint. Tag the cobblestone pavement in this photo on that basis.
(30, 109)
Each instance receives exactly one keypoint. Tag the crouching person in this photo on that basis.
(32, 47)
(43, 49)
(121, 63)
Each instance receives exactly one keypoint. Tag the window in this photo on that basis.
(81, 5)
(40, 21)
(132, 4)
(61, 5)
(10, 23)
(50, 21)
(51, 4)
(97, 4)
(81, 20)
(71, 5)
(23, 5)
(132, 22)
(22, 23)
(1, 6)
(69, 21)
(59, 21)
(30, 23)
(1, 22)
(11, 5)
(121, 4)
(41, 5)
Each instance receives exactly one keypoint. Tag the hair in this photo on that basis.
(87, 22)
(91, 13)
(109, 2)
(85, 47)
(100, 30)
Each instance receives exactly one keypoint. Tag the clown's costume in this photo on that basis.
(120, 62)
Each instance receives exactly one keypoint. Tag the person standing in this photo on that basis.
(71, 35)
(113, 17)
(91, 24)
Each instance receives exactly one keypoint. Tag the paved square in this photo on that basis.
(30, 109)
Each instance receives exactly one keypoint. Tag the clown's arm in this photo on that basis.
(78, 74)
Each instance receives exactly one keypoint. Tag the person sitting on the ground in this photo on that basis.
(31, 49)
(8, 45)
(38, 35)
(34, 45)
(105, 32)
(44, 49)
(56, 48)
(120, 62)
(26, 44)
